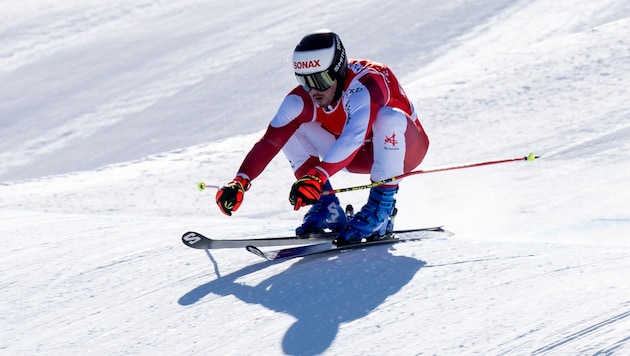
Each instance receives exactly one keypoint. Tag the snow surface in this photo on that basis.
(112, 111)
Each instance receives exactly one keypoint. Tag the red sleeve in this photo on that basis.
(266, 149)
(295, 109)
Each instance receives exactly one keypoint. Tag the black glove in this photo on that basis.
(230, 196)
(307, 190)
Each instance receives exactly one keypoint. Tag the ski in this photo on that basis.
(199, 241)
(322, 247)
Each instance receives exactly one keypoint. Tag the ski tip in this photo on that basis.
(256, 251)
(252, 248)
(195, 240)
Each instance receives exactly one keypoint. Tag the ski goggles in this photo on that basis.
(320, 81)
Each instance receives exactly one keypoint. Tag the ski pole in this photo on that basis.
(530, 157)
(201, 186)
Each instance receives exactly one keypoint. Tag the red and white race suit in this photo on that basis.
(373, 129)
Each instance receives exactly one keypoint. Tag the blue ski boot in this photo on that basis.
(373, 221)
(324, 216)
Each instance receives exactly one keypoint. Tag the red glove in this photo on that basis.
(230, 196)
(307, 190)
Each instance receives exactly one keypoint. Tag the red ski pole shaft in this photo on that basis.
(529, 157)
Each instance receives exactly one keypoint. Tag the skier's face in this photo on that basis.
(323, 98)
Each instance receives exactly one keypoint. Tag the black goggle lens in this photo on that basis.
(319, 81)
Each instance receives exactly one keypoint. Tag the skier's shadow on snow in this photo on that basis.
(321, 292)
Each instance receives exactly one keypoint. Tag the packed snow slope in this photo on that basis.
(111, 112)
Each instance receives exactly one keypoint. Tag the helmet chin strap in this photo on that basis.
(341, 82)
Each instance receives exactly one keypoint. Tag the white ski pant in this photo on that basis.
(397, 145)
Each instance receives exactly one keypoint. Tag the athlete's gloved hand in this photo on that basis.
(230, 196)
(307, 190)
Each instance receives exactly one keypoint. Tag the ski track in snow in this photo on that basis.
(110, 113)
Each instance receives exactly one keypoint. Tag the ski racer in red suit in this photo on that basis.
(344, 114)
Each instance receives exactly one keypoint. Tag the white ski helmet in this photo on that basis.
(320, 59)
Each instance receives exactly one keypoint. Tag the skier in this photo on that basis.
(344, 114)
